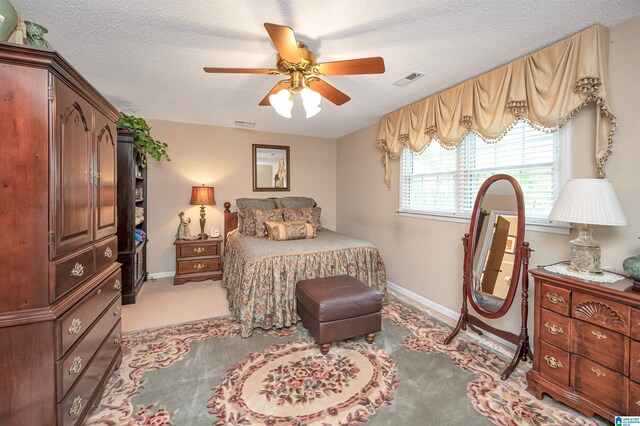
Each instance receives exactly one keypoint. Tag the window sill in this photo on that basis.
(549, 228)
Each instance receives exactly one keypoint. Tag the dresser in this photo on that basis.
(198, 260)
(60, 286)
(587, 344)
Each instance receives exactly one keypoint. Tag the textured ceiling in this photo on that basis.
(146, 56)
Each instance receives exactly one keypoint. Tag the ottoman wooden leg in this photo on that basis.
(370, 337)
(324, 348)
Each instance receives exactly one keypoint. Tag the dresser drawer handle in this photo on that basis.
(108, 252)
(554, 298)
(554, 329)
(198, 249)
(553, 363)
(638, 403)
(77, 270)
(117, 285)
(117, 311)
(76, 407)
(599, 336)
(199, 266)
(598, 372)
(75, 326)
(99, 292)
(117, 339)
(76, 365)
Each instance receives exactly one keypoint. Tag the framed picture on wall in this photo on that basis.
(510, 245)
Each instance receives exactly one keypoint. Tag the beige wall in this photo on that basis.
(425, 256)
(221, 157)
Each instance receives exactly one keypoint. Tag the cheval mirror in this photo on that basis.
(495, 260)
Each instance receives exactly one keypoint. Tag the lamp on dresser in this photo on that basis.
(203, 196)
(587, 202)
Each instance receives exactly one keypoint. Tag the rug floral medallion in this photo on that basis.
(286, 380)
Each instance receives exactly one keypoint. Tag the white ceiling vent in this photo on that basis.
(409, 78)
(245, 124)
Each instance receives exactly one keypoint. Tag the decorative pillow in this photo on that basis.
(308, 214)
(256, 204)
(295, 202)
(247, 222)
(262, 216)
(281, 231)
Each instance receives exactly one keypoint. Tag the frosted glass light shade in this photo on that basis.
(282, 102)
(310, 101)
(589, 201)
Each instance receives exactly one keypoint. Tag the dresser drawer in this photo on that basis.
(634, 399)
(554, 363)
(106, 251)
(201, 265)
(555, 329)
(78, 399)
(603, 346)
(635, 323)
(605, 313)
(194, 250)
(78, 319)
(72, 270)
(556, 299)
(71, 367)
(600, 383)
(634, 361)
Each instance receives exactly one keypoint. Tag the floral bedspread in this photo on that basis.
(260, 275)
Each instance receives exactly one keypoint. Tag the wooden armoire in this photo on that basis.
(59, 281)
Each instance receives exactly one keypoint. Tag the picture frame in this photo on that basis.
(510, 246)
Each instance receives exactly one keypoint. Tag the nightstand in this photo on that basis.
(198, 260)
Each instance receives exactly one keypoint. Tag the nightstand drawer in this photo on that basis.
(605, 313)
(556, 299)
(600, 383)
(554, 363)
(555, 329)
(603, 346)
(196, 250)
(200, 265)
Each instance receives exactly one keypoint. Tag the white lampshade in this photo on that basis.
(310, 101)
(589, 201)
(282, 102)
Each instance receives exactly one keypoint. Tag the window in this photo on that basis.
(445, 182)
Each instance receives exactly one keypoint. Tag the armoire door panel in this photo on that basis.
(72, 183)
(105, 183)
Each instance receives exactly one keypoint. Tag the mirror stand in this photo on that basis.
(523, 349)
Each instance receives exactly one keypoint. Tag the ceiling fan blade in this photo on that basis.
(328, 91)
(373, 65)
(285, 41)
(238, 70)
(285, 84)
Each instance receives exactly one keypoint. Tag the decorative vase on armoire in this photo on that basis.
(8, 19)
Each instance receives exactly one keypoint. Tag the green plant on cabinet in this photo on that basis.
(142, 138)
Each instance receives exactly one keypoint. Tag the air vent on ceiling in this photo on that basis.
(409, 78)
(245, 124)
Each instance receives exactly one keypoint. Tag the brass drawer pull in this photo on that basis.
(99, 292)
(599, 336)
(76, 407)
(554, 329)
(117, 339)
(598, 372)
(117, 311)
(75, 326)
(76, 365)
(77, 270)
(553, 363)
(199, 266)
(108, 252)
(117, 285)
(554, 298)
(638, 403)
(198, 249)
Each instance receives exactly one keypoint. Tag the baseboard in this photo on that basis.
(156, 275)
(453, 315)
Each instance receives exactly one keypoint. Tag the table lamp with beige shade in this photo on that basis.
(203, 196)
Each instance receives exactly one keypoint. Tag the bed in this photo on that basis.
(260, 274)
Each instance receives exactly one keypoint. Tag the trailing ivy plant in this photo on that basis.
(142, 137)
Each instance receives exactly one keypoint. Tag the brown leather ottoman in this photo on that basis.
(338, 308)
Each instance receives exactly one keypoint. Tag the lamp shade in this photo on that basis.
(202, 195)
(589, 201)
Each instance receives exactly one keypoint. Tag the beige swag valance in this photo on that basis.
(546, 88)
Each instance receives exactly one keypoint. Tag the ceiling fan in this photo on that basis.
(300, 66)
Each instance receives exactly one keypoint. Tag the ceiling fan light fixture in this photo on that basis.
(282, 102)
(310, 101)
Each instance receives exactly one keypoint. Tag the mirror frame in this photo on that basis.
(468, 261)
(254, 163)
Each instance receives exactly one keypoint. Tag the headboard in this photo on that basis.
(230, 219)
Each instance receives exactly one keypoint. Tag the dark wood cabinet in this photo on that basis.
(132, 215)
(586, 346)
(60, 287)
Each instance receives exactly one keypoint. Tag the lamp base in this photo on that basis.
(585, 252)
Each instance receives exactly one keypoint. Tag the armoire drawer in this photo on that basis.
(195, 250)
(195, 266)
(72, 270)
(106, 251)
(634, 399)
(600, 382)
(69, 368)
(605, 313)
(556, 299)
(603, 346)
(72, 325)
(79, 397)
(554, 363)
(634, 361)
(555, 329)
(635, 323)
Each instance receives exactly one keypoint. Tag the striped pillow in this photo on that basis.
(282, 231)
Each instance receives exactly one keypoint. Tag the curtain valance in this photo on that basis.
(546, 88)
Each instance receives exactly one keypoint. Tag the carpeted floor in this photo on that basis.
(203, 373)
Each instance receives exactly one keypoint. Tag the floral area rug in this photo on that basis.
(204, 373)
